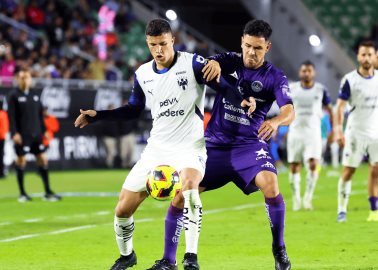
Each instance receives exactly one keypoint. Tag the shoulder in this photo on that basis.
(295, 85)
(350, 76)
(320, 86)
(144, 68)
(275, 75)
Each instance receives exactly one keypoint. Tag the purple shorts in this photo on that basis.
(236, 164)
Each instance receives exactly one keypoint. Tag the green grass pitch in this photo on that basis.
(77, 233)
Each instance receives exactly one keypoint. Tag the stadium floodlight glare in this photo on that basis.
(314, 40)
(171, 14)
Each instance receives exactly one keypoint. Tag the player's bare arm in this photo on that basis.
(211, 71)
(329, 110)
(338, 122)
(269, 127)
(82, 120)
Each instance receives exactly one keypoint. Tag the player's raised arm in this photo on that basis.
(129, 111)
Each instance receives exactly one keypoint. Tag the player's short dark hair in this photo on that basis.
(258, 28)
(308, 63)
(158, 27)
(366, 43)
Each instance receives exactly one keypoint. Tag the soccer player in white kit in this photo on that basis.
(304, 140)
(359, 90)
(171, 85)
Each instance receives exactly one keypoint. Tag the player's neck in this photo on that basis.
(307, 84)
(366, 72)
(165, 65)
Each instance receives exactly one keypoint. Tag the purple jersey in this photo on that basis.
(230, 124)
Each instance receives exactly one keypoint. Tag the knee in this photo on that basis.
(312, 165)
(122, 210)
(348, 174)
(374, 173)
(42, 161)
(270, 187)
(189, 183)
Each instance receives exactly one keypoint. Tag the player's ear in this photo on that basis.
(268, 46)
(173, 40)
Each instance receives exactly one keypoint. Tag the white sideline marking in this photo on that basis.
(32, 220)
(5, 223)
(214, 211)
(102, 213)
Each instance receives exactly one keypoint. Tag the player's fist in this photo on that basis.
(211, 71)
(17, 139)
(250, 103)
(82, 120)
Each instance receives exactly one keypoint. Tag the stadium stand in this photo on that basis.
(347, 20)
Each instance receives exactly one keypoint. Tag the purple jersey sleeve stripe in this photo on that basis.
(344, 92)
(198, 112)
(326, 98)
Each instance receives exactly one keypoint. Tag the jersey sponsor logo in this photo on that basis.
(257, 86)
(21, 99)
(168, 101)
(237, 119)
(148, 81)
(182, 82)
(171, 113)
(181, 72)
(268, 165)
(228, 106)
(262, 154)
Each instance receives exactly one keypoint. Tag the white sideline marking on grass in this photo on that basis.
(102, 213)
(5, 223)
(32, 220)
(213, 211)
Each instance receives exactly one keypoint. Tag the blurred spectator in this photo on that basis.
(97, 69)
(4, 129)
(52, 127)
(127, 141)
(35, 16)
(7, 66)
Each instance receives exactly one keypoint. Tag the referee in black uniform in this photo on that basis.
(27, 130)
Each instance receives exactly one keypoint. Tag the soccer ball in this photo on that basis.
(163, 183)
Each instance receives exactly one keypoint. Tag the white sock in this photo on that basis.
(312, 178)
(124, 228)
(295, 183)
(344, 190)
(192, 219)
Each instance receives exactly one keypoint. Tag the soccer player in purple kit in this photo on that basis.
(236, 141)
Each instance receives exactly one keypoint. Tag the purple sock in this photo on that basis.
(373, 203)
(275, 209)
(174, 223)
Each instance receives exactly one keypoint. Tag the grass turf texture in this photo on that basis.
(235, 233)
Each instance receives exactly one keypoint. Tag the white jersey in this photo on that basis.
(362, 96)
(176, 101)
(308, 104)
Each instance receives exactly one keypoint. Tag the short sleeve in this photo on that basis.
(198, 63)
(326, 100)
(344, 92)
(282, 91)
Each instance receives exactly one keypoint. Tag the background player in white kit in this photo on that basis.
(359, 90)
(304, 137)
(171, 86)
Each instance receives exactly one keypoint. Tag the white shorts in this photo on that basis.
(356, 148)
(303, 147)
(150, 158)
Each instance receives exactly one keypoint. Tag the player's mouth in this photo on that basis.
(159, 56)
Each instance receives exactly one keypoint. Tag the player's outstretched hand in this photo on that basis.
(267, 129)
(211, 71)
(81, 121)
(251, 103)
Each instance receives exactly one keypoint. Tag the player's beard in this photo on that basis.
(366, 65)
